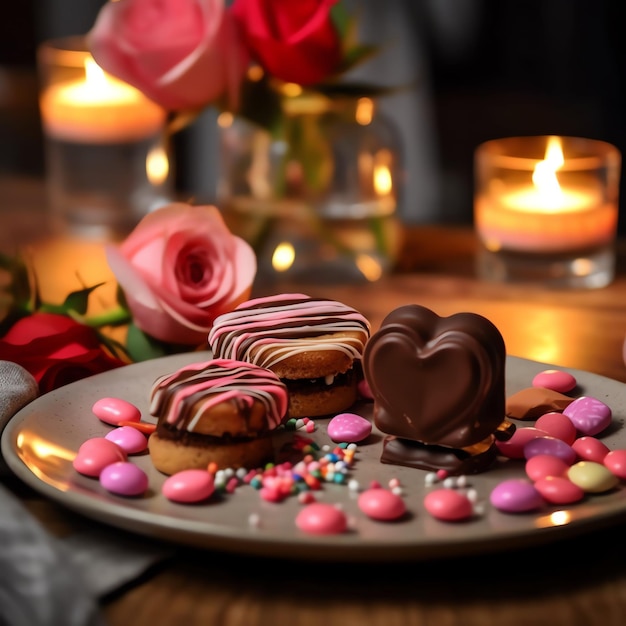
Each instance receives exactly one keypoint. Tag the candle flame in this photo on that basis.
(544, 176)
(157, 165)
(283, 257)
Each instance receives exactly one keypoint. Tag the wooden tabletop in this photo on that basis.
(578, 580)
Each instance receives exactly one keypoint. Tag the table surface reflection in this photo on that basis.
(581, 581)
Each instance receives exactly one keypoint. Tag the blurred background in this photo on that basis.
(475, 70)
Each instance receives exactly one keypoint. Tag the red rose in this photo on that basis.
(55, 349)
(295, 41)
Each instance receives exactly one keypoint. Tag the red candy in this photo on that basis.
(590, 449)
(557, 425)
(615, 462)
(559, 490)
(544, 465)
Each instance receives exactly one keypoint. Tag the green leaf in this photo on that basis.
(141, 346)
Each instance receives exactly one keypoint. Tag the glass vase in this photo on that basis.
(317, 199)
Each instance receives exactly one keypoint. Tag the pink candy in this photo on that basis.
(320, 518)
(559, 490)
(448, 505)
(590, 449)
(95, 454)
(514, 447)
(192, 485)
(115, 410)
(557, 380)
(124, 479)
(349, 428)
(544, 465)
(557, 425)
(381, 504)
(128, 438)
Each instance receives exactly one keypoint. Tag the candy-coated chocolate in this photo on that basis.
(514, 447)
(349, 428)
(128, 438)
(615, 460)
(449, 505)
(124, 479)
(559, 490)
(321, 518)
(552, 446)
(192, 485)
(592, 477)
(557, 425)
(115, 410)
(543, 465)
(516, 495)
(589, 415)
(590, 449)
(95, 454)
(364, 389)
(381, 504)
(557, 380)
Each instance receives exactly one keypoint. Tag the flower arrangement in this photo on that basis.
(176, 271)
(189, 54)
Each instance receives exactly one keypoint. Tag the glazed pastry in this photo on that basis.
(438, 388)
(314, 345)
(219, 411)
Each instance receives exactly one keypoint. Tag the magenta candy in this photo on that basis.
(381, 504)
(349, 428)
(615, 461)
(95, 454)
(365, 391)
(559, 490)
(449, 505)
(557, 380)
(557, 425)
(514, 447)
(187, 486)
(590, 449)
(589, 415)
(516, 496)
(115, 410)
(124, 479)
(321, 518)
(128, 438)
(544, 465)
(551, 446)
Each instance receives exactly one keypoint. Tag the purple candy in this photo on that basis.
(516, 495)
(550, 446)
(589, 415)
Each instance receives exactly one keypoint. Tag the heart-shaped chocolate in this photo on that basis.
(436, 380)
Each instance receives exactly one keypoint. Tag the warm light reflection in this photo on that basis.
(157, 165)
(283, 257)
(369, 267)
(557, 518)
(225, 119)
(382, 179)
(364, 111)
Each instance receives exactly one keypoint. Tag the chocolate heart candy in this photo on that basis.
(437, 380)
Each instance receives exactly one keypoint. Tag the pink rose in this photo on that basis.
(295, 41)
(183, 54)
(179, 269)
(55, 349)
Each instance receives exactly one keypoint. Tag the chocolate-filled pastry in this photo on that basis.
(438, 385)
(314, 345)
(221, 411)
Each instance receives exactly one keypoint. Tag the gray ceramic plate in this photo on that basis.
(40, 442)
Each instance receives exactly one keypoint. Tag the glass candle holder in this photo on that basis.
(107, 164)
(546, 209)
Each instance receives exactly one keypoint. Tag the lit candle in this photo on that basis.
(98, 109)
(545, 215)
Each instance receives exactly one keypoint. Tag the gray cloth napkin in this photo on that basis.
(47, 581)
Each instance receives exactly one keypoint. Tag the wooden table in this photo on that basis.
(575, 581)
